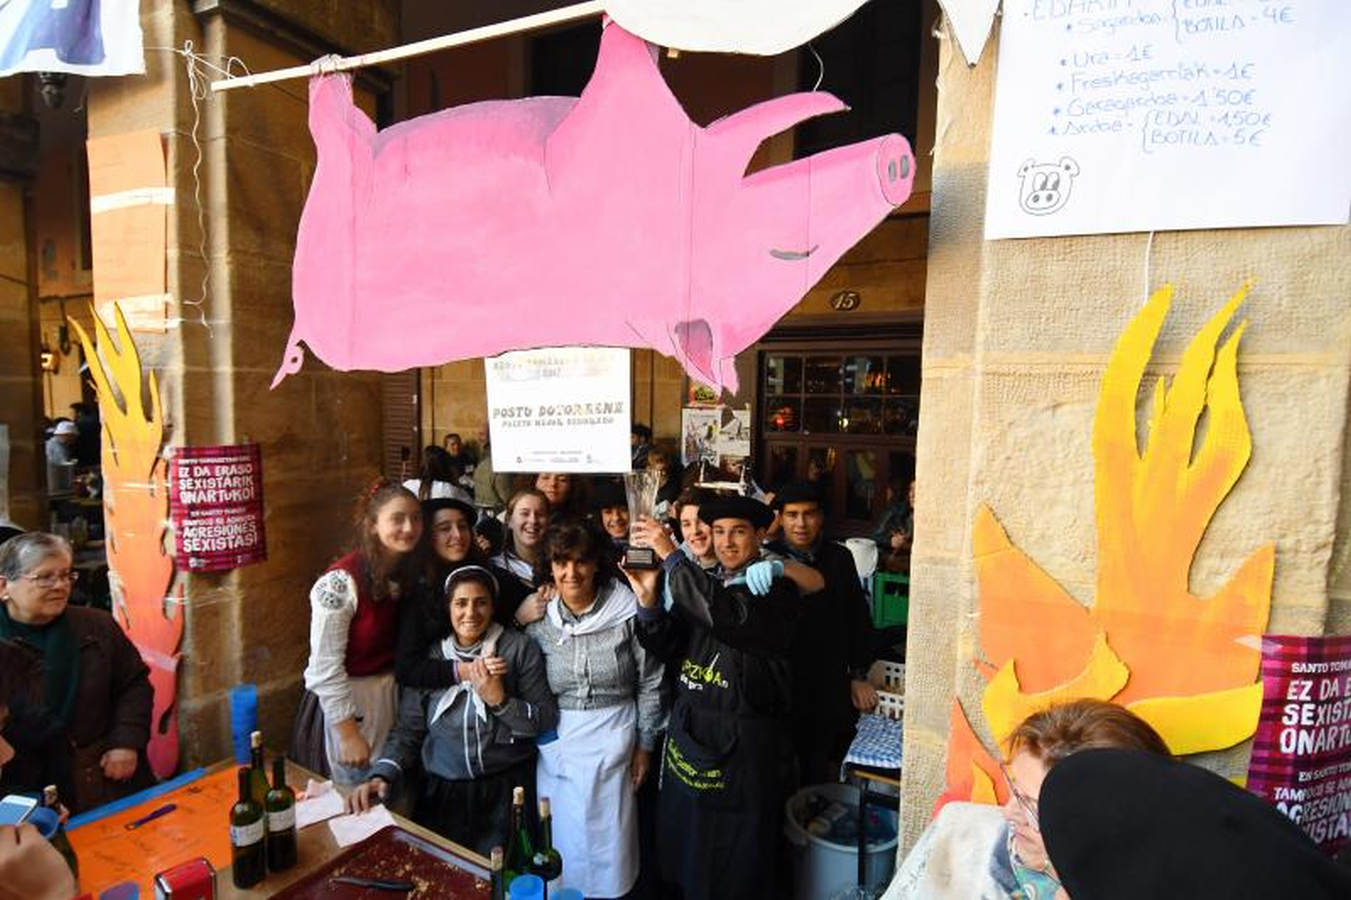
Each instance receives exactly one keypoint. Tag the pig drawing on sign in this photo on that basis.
(1046, 186)
(605, 220)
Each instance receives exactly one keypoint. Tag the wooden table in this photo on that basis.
(197, 825)
(316, 846)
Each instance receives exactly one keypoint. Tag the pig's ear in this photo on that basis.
(742, 132)
(1026, 167)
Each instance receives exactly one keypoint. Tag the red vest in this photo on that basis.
(375, 627)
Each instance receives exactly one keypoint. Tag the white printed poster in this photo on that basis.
(734, 437)
(699, 431)
(1140, 115)
(560, 409)
(84, 37)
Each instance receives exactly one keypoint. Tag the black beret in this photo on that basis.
(736, 507)
(608, 494)
(1122, 824)
(797, 492)
(431, 507)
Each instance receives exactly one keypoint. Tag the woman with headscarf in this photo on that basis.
(610, 711)
(89, 732)
(474, 740)
(448, 538)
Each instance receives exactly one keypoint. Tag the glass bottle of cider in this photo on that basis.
(547, 863)
(248, 860)
(280, 810)
(257, 769)
(521, 850)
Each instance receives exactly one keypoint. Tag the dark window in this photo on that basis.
(561, 61)
(842, 415)
(871, 62)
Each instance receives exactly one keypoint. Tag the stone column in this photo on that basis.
(1016, 339)
(20, 389)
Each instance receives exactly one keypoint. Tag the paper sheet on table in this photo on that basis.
(1154, 115)
(321, 802)
(348, 830)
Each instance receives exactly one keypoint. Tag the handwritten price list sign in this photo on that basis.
(1139, 115)
(1301, 757)
(216, 502)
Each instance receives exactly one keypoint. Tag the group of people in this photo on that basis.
(440, 677)
(666, 713)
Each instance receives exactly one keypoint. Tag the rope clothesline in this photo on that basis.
(558, 16)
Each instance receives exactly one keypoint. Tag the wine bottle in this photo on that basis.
(280, 808)
(258, 769)
(52, 799)
(521, 851)
(498, 883)
(547, 863)
(248, 859)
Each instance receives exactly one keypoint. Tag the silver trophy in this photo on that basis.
(640, 489)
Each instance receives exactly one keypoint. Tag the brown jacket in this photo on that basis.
(112, 709)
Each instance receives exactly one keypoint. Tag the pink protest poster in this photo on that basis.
(216, 501)
(1301, 758)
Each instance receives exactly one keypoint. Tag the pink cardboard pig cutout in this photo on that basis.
(608, 220)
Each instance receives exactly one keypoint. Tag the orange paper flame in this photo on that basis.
(135, 507)
(1186, 664)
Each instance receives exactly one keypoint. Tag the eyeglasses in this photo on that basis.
(1028, 805)
(49, 580)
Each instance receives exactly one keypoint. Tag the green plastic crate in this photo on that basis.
(891, 599)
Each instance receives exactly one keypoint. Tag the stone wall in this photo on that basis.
(20, 390)
(1016, 338)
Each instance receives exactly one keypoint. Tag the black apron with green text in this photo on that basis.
(725, 772)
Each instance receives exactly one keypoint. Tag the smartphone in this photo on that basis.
(15, 809)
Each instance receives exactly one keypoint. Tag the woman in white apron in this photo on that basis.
(610, 712)
(349, 702)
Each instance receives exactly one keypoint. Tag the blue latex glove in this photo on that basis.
(760, 576)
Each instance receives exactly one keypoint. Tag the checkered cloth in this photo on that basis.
(877, 743)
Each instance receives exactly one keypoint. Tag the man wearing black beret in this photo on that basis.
(727, 764)
(832, 649)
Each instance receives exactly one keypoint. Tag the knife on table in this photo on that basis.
(379, 884)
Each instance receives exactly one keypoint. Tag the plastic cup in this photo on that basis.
(526, 887)
(243, 719)
(46, 820)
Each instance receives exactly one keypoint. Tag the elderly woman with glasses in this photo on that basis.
(87, 733)
(978, 850)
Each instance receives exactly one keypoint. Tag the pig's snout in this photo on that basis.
(895, 169)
